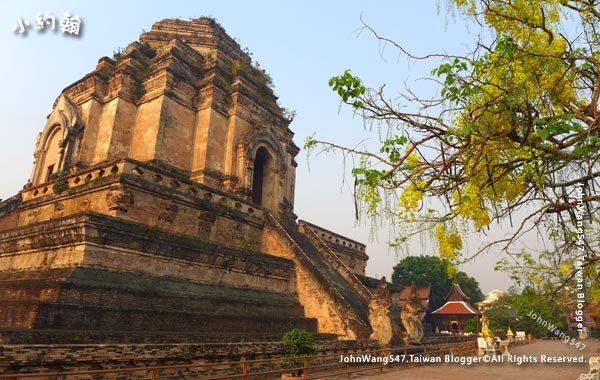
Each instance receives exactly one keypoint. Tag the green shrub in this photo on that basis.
(299, 344)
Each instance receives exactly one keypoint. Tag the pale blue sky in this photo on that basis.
(300, 44)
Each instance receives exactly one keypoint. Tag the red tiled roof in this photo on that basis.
(456, 307)
(456, 294)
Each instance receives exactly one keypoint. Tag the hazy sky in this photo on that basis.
(300, 44)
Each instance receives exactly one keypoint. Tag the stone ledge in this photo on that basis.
(142, 285)
(107, 230)
(61, 338)
(19, 358)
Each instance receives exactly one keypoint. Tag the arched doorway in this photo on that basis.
(454, 327)
(261, 160)
(50, 158)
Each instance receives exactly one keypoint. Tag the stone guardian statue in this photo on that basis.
(411, 317)
(385, 329)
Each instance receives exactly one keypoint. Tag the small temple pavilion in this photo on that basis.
(457, 310)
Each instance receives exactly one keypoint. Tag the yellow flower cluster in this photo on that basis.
(411, 197)
(450, 243)
(470, 206)
(489, 181)
(372, 198)
(412, 162)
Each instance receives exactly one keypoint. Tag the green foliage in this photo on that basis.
(547, 278)
(393, 148)
(117, 54)
(349, 88)
(424, 270)
(506, 46)
(516, 310)
(470, 326)
(61, 184)
(244, 67)
(454, 89)
(501, 316)
(513, 127)
(289, 114)
(531, 302)
(299, 343)
(264, 78)
(365, 176)
(433, 271)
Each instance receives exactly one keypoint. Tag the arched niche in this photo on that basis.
(262, 169)
(265, 178)
(50, 160)
(262, 176)
(57, 143)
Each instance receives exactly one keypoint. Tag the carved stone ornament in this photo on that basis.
(237, 232)
(33, 215)
(386, 330)
(259, 137)
(118, 198)
(64, 121)
(59, 209)
(207, 216)
(66, 113)
(170, 211)
(411, 317)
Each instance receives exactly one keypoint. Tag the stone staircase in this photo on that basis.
(350, 302)
(334, 261)
(358, 304)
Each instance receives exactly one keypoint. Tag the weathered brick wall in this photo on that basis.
(8, 218)
(94, 272)
(159, 197)
(97, 241)
(29, 358)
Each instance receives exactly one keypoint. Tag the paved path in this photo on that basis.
(530, 371)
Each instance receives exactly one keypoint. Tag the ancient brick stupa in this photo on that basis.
(160, 208)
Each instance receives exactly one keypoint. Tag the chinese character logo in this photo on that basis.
(21, 26)
(69, 24)
(42, 21)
